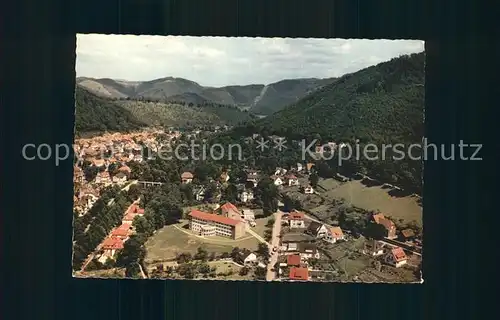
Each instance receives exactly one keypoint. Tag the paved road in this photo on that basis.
(111, 201)
(275, 240)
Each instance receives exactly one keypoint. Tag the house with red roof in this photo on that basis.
(296, 220)
(299, 274)
(334, 234)
(103, 178)
(133, 211)
(388, 224)
(396, 257)
(208, 224)
(111, 246)
(293, 260)
(125, 169)
(122, 232)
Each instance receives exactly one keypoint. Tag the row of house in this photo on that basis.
(295, 257)
(118, 236)
(282, 177)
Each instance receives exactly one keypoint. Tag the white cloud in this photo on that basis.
(220, 61)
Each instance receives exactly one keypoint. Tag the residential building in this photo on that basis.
(396, 257)
(120, 177)
(292, 180)
(125, 169)
(206, 224)
(245, 195)
(309, 167)
(277, 180)
(291, 247)
(299, 274)
(133, 211)
(309, 190)
(387, 223)
(138, 158)
(199, 193)
(299, 167)
(78, 175)
(224, 177)
(293, 260)
(229, 210)
(122, 232)
(374, 248)
(187, 177)
(103, 178)
(252, 177)
(296, 220)
(248, 215)
(407, 235)
(317, 230)
(99, 163)
(111, 246)
(280, 171)
(247, 257)
(308, 250)
(335, 234)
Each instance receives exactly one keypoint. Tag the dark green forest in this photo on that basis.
(96, 115)
(381, 105)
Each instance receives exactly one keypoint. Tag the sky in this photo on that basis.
(221, 61)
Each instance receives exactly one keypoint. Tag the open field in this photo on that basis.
(226, 266)
(308, 201)
(296, 236)
(174, 239)
(374, 198)
(110, 273)
(261, 225)
(388, 275)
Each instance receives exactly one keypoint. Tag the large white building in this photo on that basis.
(208, 224)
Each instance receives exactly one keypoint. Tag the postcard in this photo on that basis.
(249, 159)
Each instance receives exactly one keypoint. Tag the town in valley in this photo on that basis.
(269, 214)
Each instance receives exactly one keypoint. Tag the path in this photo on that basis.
(258, 237)
(275, 240)
(126, 188)
(143, 275)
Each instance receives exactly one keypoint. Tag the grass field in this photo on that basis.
(174, 239)
(261, 225)
(225, 266)
(374, 198)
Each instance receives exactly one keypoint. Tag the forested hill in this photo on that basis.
(382, 104)
(95, 114)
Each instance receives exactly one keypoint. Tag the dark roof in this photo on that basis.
(407, 233)
(304, 247)
(314, 227)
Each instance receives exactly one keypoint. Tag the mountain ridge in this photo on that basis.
(256, 98)
(382, 105)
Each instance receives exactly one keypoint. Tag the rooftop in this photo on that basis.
(213, 217)
(299, 273)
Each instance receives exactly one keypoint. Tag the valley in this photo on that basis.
(147, 206)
